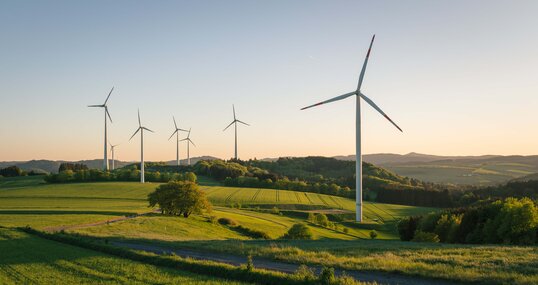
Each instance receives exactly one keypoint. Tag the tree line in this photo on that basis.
(507, 221)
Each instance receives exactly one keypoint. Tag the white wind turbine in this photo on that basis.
(105, 159)
(176, 132)
(235, 121)
(188, 144)
(141, 129)
(112, 147)
(358, 158)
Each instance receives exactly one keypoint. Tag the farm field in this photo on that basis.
(459, 172)
(31, 202)
(31, 260)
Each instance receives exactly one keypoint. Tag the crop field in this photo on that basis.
(31, 260)
(463, 173)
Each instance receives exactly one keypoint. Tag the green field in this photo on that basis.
(26, 259)
(459, 172)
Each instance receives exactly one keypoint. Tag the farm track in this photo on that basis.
(255, 196)
(336, 202)
(231, 195)
(384, 211)
(298, 197)
(308, 198)
(323, 200)
(79, 226)
(290, 268)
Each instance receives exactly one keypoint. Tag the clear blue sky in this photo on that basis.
(460, 77)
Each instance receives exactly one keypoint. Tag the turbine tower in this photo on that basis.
(141, 129)
(358, 159)
(112, 147)
(235, 121)
(188, 143)
(176, 132)
(105, 158)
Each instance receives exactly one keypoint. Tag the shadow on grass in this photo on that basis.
(62, 212)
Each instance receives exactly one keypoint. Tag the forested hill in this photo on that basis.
(318, 169)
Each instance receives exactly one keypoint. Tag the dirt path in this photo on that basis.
(110, 221)
(365, 276)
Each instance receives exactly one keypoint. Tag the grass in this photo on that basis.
(458, 172)
(28, 259)
(460, 263)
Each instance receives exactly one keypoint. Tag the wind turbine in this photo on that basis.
(105, 159)
(141, 129)
(176, 132)
(358, 158)
(112, 147)
(235, 121)
(188, 143)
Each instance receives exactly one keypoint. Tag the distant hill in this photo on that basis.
(472, 170)
(51, 166)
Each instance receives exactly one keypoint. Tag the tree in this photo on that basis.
(11, 171)
(179, 198)
(373, 234)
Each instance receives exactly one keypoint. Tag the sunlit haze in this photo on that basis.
(459, 77)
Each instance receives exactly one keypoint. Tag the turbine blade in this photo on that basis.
(108, 95)
(369, 101)
(191, 142)
(337, 98)
(183, 139)
(229, 125)
(234, 111)
(106, 111)
(243, 122)
(172, 134)
(361, 76)
(139, 123)
(147, 129)
(96, 106)
(134, 133)
(174, 122)
(182, 130)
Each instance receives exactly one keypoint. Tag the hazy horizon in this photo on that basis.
(459, 78)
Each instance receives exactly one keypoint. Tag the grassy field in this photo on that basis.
(460, 263)
(28, 201)
(27, 259)
(463, 173)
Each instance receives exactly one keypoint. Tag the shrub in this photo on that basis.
(250, 265)
(257, 234)
(227, 222)
(275, 210)
(373, 234)
(326, 277)
(212, 219)
(298, 231)
(305, 273)
(421, 236)
(346, 230)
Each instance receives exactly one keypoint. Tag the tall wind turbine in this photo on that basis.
(105, 159)
(112, 147)
(176, 132)
(234, 122)
(358, 158)
(141, 129)
(188, 144)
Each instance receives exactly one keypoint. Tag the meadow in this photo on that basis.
(27, 201)
(462, 172)
(27, 259)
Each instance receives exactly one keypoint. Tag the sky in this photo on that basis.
(459, 77)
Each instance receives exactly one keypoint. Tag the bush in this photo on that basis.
(305, 273)
(421, 236)
(326, 277)
(212, 219)
(407, 228)
(257, 234)
(373, 234)
(298, 231)
(227, 222)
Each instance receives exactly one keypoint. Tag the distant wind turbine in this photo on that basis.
(141, 129)
(234, 122)
(105, 159)
(176, 132)
(112, 147)
(188, 144)
(358, 159)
